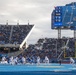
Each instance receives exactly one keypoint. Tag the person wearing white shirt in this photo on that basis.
(15, 60)
(4, 61)
(23, 60)
(46, 59)
(72, 60)
(11, 60)
(38, 60)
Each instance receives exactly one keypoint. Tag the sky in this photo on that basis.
(38, 12)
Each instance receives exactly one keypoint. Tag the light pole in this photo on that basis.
(56, 48)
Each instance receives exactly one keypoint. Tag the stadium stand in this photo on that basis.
(14, 37)
(52, 48)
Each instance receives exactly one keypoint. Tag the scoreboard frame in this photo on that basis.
(64, 17)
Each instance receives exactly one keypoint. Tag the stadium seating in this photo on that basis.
(52, 48)
(13, 34)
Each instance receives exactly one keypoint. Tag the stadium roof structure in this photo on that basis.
(14, 35)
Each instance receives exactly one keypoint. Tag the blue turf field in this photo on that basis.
(42, 69)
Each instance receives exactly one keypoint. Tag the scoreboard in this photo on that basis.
(57, 16)
(64, 17)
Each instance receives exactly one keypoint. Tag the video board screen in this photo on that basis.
(64, 17)
(58, 16)
(69, 16)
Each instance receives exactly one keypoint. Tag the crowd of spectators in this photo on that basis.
(52, 48)
(13, 34)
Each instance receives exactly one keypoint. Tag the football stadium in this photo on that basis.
(49, 56)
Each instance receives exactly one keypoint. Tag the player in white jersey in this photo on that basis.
(11, 60)
(4, 61)
(72, 60)
(23, 60)
(46, 59)
(3, 58)
(15, 60)
(38, 60)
